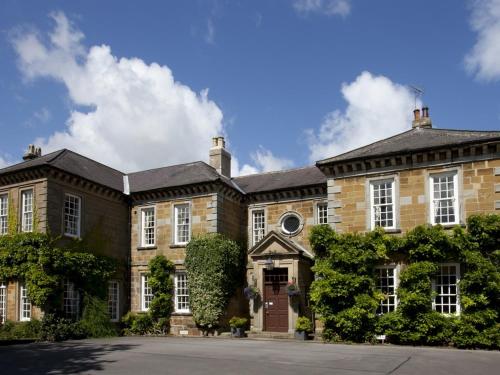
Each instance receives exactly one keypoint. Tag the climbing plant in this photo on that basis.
(345, 295)
(215, 268)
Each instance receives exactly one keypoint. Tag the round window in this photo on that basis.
(290, 224)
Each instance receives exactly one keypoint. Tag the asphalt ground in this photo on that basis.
(180, 355)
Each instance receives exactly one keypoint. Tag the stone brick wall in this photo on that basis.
(479, 192)
(231, 218)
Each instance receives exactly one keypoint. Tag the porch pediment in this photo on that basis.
(276, 244)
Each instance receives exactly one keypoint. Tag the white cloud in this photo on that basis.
(484, 59)
(210, 34)
(136, 115)
(327, 7)
(377, 108)
(43, 115)
(263, 160)
(3, 163)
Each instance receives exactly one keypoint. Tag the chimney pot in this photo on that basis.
(425, 112)
(32, 152)
(416, 114)
(220, 158)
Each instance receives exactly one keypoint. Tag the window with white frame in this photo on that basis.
(72, 214)
(147, 293)
(182, 214)
(387, 283)
(444, 198)
(114, 300)
(382, 204)
(3, 303)
(71, 300)
(181, 293)
(24, 304)
(148, 225)
(258, 225)
(4, 213)
(27, 210)
(322, 212)
(446, 300)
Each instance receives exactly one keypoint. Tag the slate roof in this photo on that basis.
(414, 140)
(281, 180)
(173, 176)
(79, 165)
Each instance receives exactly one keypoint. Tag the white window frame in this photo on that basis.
(27, 225)
(455, 199)
(3, 303)
(114, 300)
(373, 206)
(395, 277)
(24, 304)
(258, 233)
(77, 217)
(4, 213)
(144, 211)
(181, 277)
(178, 225)
(436, 286)
(146, 293)
(71, 300)
(319, 207)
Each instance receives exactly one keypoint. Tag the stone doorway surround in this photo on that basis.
(284, 254)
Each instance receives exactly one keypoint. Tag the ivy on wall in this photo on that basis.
(346, 298)
(215, 268)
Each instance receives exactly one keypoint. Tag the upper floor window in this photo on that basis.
(387, 283)
(382, 204)
(71, 300)
(24, 304)
(444, 198)
(3, 303)
(72, 215)
(446, 288)
(258, 225)
(182, 214)
(146, 293)
(4, 213)
(113, 300)
(181, 293)
(148, 226)
(322, 211)
(27, 210)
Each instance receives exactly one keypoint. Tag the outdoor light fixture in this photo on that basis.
(269, 264)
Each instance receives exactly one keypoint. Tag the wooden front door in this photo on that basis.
(275, 300)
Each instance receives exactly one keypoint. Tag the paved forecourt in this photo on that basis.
(177, 355)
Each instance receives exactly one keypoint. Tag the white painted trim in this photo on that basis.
(141, 226)
(78, 227)
(177, 310)
(456, 193)
(458, 276)
(190, 220)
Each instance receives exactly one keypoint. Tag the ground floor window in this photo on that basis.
(146, 293)
(387, 284)
(71, 300)
(181, 293)
(113, 300)
(24, 304)
(446, 288)
(3, 302)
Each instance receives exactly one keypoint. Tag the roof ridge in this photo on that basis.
(170, 166)
(466, 130)
(280, 171)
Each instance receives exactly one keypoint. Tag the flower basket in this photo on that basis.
(251, 292)
(292, 289)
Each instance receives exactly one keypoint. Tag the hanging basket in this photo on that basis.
(251, 292)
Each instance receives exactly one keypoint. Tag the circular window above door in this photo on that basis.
(291, 223)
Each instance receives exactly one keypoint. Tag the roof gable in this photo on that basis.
(276, 244)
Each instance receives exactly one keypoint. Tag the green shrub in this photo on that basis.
(95, 318)
(137, 323)
(56, 328)
(237, 322)
(20, 330)
(303, 324)
(215, 268)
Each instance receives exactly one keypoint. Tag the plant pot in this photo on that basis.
(301, 335)
(237, 332)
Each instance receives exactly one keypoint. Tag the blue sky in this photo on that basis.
(144, 84)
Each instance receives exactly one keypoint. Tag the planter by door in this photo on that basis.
(275, 300)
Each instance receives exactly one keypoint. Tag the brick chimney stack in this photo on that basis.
(421, 122)
(32, 153)
(220, 158)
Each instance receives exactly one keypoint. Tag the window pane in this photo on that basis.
(4, 213)
(148, 226)
(71, 300)
(445, 203)
(25, 304)
(71, 215)
(113, 300)
(182, 223)
(386, 283)
(27, 211)
(446, 301)
(259, 226)
(3, 302)
(147, 293)
(323, 213)
(382, 204)
(181, 293)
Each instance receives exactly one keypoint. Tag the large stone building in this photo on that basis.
(423, 175)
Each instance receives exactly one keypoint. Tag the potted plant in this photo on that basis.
(238, 326)
(251, 292)
(292, 289)
(303, 327)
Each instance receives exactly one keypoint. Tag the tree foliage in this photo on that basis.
(345, 295)
(215, 266)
